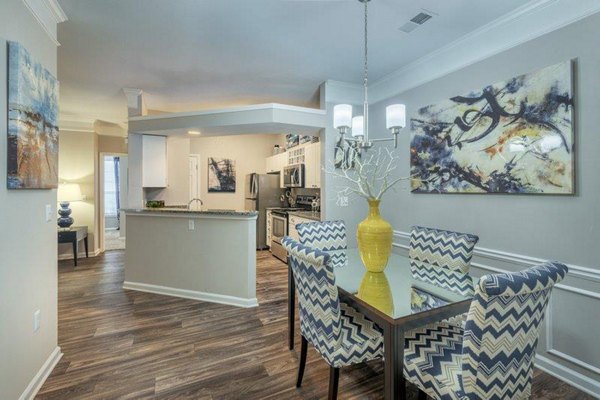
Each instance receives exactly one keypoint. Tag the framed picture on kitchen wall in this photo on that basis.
(32, 150)
(515, 136)
(221, 175)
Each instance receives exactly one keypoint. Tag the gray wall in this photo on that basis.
(516, 230)
(28, 278)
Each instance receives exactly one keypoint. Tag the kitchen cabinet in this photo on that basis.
(268, 228)
(154, 161)
(312, 166)
(276, 163)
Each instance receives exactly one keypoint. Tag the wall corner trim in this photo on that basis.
(343, 92)
(534, 19)
(38, 380)
(48, 13)
(192, 294)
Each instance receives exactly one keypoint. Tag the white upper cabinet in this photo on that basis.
(312, 166)
(276, 163)
(154, 161)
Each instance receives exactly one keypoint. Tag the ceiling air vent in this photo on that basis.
(415, 22)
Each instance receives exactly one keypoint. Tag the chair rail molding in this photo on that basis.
(556, 362)
(533, 19)
(48, 13)
(519, 259)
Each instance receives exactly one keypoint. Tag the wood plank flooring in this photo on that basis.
(132, 345)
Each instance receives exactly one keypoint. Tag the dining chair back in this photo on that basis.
(317, 295)
(492, 357)
(502, 331)
(442, 258)
(342, 335)
(323, 235)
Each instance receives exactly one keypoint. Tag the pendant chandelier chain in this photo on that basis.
(395, 114)
(366, 75)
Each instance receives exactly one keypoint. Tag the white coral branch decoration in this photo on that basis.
(370, 177)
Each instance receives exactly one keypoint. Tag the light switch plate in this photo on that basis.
(36, 320)
(49, 213)
(191, 225)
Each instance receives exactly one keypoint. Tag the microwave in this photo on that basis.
(293, 176)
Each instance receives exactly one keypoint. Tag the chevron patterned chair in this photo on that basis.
(492, 358)
(442, 258)
(324, 235)
(342, 335)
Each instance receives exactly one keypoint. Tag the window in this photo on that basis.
(111, 189)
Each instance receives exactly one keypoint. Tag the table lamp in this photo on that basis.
(67, 192)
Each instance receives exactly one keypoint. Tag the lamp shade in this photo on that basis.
(69, 192)
(342, 116)
(395, 116)
(358, 126)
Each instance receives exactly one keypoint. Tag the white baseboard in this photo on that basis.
(568, 375)
(191, 294)
(41, 376)
(80, 255)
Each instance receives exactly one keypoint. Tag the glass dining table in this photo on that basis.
(394, 300)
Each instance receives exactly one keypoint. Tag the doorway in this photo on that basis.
(113, 198)
(194, 180)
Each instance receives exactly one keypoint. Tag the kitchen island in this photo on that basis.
(202, 255)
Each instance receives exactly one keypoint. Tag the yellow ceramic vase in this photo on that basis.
(374, 236)
(375, 290)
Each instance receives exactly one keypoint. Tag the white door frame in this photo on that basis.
(199, 179)
(100, 196)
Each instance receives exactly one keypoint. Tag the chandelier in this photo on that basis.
(358, 126)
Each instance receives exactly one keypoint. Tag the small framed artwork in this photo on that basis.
(221, 175)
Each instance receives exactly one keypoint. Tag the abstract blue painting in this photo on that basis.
(32, 122)
(510, 137)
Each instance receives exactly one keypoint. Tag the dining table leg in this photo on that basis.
(291, 307)
(393, 344)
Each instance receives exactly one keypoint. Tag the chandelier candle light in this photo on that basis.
(358, 127)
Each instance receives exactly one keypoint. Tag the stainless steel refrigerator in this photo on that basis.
(262, 191)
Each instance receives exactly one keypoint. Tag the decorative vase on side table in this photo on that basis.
(374, 236)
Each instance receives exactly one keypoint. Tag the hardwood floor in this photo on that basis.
(132, 345)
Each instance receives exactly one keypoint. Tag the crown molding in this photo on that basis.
(48, 13)
(76, 126)
(532, 20)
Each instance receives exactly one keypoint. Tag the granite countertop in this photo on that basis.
(315, 216)
(178, 210)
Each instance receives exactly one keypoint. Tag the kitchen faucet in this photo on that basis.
(193, 200)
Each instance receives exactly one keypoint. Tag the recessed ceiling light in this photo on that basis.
(193, 132)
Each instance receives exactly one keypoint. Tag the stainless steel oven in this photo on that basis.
(293, 176)
(279, 229)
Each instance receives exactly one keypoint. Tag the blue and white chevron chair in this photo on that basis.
(342, 335)
(323, 235)
(442, 258)
(492, 358)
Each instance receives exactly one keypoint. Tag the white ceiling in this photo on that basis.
(196, 54)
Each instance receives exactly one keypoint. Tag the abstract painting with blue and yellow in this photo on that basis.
(509, 137)
(32, 122)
